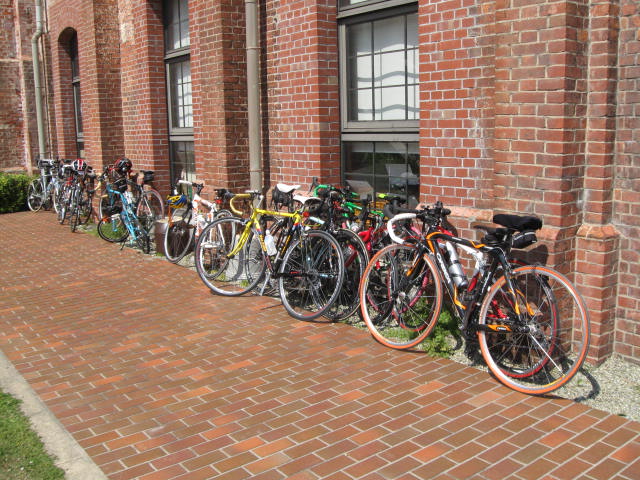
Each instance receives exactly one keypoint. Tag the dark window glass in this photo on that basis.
(382, 167)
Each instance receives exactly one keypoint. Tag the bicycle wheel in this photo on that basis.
(74, 211)
(225, 275)
(35, 195)
(112, 229)
(178, 238)
(355, 261)
(154, 203)
(311, 275)
(537, 343)
(148, 213)
(400, 296)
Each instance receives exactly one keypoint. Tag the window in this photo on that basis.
(379, 95)
(179, 99)
(77, 103)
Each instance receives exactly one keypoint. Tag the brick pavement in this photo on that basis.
(158, 379)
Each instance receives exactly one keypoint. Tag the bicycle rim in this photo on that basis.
(400, 296)
(34, 195)
(178, 240)
(356, 258)
(311, 275)
(541, 349)
(112, 229)
(224, 275)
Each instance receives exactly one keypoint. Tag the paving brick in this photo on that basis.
(185, 394)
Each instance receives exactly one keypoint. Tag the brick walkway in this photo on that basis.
(156, 378)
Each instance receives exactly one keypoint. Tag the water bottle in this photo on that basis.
(270, 243)
(455, 269)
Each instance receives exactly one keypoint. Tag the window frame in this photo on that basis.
(76, 94)
(355, 14)
(172, 56)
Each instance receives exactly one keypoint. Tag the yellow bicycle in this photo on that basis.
(233, 255)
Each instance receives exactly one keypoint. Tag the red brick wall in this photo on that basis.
(18, 134)
(218, 66)
(626, 186)
(96, 24)
(144, 105)
(457, 101)
(300, 45)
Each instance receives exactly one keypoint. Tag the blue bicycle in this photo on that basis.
(122, 222)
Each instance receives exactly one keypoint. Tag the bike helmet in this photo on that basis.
(177, 201)
(79, 165)
(123, 166)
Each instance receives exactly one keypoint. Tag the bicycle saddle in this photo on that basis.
(517, 222)
(283, 187)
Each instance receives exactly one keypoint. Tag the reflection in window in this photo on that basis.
(181, 102)
(176, 30)
(382, 167)
(183, 164)
(382, 64)
(77, 100)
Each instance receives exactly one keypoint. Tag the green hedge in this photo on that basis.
(13, 191)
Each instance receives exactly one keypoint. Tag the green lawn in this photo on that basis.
(22, 454)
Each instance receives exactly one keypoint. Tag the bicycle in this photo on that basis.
(69, 180)
(328, 212)
(233, 255)
(529, 322)
(42, 190)
(123, 223)
(81, 198)
(186, 222)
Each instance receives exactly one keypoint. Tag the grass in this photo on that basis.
(22, 454)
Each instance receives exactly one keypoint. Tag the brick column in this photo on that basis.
(456, 102)
(144, 98)
(302, 116)
(218, 73)
(539, 135)
(597, 240)
(626, 196)
(96, 24)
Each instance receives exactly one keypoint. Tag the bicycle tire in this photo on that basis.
(112, 229)
(155, 203)
(224, 275)
(541, 349)
(55, 198)
(178, 240)
(35, 194)
(311, 275)
(400, 296)
(356, 259)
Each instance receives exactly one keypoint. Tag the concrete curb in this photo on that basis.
(70, 456)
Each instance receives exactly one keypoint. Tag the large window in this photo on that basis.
(379, 95)
(77, 102)
(179, 99)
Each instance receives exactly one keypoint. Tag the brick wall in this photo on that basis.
(218, 66)
(96, 24)
(301, 73)
(626, 183)
(144, 106)
(18, 134)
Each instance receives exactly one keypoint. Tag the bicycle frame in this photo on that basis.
(127, 211)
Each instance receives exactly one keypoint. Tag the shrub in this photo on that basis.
(13, 191)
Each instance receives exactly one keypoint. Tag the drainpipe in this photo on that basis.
(253, 95)
(37, 78)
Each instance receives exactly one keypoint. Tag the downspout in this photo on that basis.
(253, 95)
(35, 54)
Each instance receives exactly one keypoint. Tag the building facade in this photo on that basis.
(529, 107)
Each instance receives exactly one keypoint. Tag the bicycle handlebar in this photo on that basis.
(396, 218)
(238, 196)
